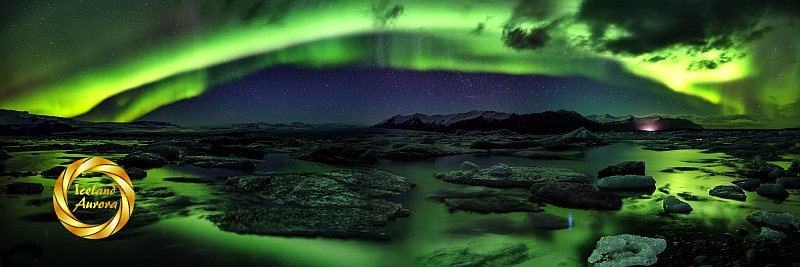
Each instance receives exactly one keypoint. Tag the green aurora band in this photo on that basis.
(133, 72)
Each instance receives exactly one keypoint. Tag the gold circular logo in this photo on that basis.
(93, 231)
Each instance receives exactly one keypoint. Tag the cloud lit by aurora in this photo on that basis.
(132, 58)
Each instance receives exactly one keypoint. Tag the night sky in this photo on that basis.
(356, 95)
(733, 63)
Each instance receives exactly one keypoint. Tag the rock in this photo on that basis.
(626, 250)
(334, 154)
(504, 176)
(729, 192)
(167, 152)
(674, 205)
(463, 192)
(369, 156)
(416, 151)
(135, 173)
(699, 259)
(773, 191)
(4, 155)
(581, 136)
(219, 140)
(142, 160)
(53, 172)
(491, 204)
(795, 167)
(623, 168)
(23, 188)
(789, 182)
(500, 170)
(244, 165)
(209, 162)
(248, 152)
(547, 154)
(761, 169)
(771, 236)
(748, 184)
(489, 225)
(774, 220)
(468, 166)
(545, 221)
(576, 195)
(338, 204)
(626, 182)
(743, 232)
(506, 255)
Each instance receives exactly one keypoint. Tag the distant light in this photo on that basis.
(648, 128)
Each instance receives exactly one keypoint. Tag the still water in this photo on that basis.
(189, 238)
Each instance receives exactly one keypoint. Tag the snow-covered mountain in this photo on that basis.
(545, 122)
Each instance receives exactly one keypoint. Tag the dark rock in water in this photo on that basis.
(502, 175)
(789, 182)
(773, 191)
(547, 154)
(165, 151)
(219, 140)
(53, 172)
(177, 143)
(209, 162)
(369, 156)
(135, 173)
(761, 169)
(774, 220)
(463, 192)
(334, 154)
(340, 204)
(483, 144)
(142, 160)
(674, 205)
(416, 151)
(545, 221)
(576, 195)
(239, 151)
(623, 168)
(626, 182)
(23, 188)
(795, 167)
(4, 155)
(627, 250)
(770, 235)
(219, 150)
(491, 204)
(468, 166)
(728, 191)
(506, 255)
(748, 184)
(490, 225)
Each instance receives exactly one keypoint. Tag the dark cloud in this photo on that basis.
(520, 38)
(700, 25)
(386, 12)
(536, 10)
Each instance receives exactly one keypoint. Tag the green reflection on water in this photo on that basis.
(193, 239)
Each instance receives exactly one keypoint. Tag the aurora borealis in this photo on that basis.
(119, 61)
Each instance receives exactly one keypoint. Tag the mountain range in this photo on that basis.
(544, 122)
